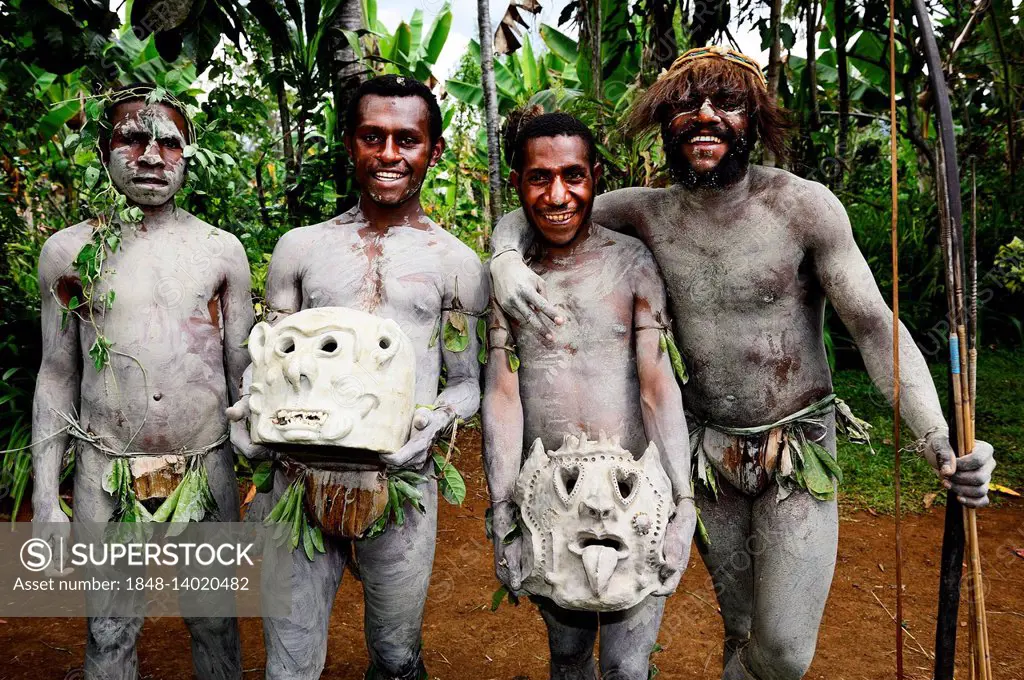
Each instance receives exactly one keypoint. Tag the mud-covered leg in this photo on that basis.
(297, 644)
(728, 560)
(110, 640)
(571, 637)
(795, 555)
(216, 648)
(220, 468)
(627, 639)
(216, 644)
(395, 570)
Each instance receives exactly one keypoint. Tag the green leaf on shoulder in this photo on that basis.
(435, 335)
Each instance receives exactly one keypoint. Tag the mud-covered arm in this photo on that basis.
(283, 297)
(850, 286)
(661, 404)
(503, 448)
(465, 289)
(461, 395)
(236, 304)
(518, 290)
(59, 380)
(661, 400)
(284, 279)
(502, 412)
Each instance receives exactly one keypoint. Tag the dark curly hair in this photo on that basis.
(395, 86)
(523, 126)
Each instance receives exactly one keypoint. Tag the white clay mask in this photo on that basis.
(593, 522)
(332, 376)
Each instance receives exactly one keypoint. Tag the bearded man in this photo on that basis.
(144, 355)
(749, 255)
(387, 258)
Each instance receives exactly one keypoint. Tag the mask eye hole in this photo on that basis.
(286, 345)
(566, 479)
(569, 478)
(626, 484)
(329, 345)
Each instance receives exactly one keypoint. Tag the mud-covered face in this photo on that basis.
(594, 523)
(332, 376)
(556, 186)
(391, 148)
(706, 138)
(145, 159)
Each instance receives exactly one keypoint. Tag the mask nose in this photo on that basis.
(592, 507)
(299, 368)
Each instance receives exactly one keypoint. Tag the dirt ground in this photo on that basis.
(464, 640)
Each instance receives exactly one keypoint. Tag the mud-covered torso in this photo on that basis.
(165, 383)
(585, 380)
(399, 273)
(746, 305)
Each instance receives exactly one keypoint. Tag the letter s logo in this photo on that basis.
(36, 554)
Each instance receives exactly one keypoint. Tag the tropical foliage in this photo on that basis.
(267, 82)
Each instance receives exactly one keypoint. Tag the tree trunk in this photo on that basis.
(491, 108)
(1011, 155)
(844, 88)
(812, 121)
(663, 36)
(589, 19)
(346, 74)
(812, 62)
(774, 63)
(291, 173)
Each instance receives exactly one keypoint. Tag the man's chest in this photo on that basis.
(376, 275)
(597, 312)
(171, 276)
(748, 267)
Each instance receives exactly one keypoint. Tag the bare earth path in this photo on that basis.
(464, 640)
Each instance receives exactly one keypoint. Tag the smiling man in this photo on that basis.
(172, 303)
(601, 371)
(750, 255)
(387, 258)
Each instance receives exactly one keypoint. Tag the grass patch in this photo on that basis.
(1000, 421)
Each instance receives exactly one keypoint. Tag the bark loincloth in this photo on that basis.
(343, 503)
(150, 486)
(788, 450)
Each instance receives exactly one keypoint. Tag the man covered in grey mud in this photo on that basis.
(749, 255)
(170, 304)
(387, 258)
(604, 369)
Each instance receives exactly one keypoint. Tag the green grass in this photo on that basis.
(868, 478)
